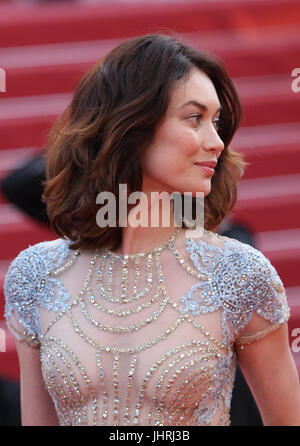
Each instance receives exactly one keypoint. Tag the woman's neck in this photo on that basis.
(141, 239)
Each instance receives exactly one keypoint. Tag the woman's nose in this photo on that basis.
(213, 141)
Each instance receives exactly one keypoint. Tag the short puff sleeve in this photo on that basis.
(22, 284)
(267, 295)
(241, 282)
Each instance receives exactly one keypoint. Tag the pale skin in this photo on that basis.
(187, 135)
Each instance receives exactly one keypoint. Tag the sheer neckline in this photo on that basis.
(154, 250)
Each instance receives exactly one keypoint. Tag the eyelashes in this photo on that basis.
(196, 119)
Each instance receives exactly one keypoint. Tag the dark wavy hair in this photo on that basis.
(95, 143)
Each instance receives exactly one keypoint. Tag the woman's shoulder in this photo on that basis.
(239, 279)
(216, 247)
(37, 256)
(229, 257)
(27, 285)
(214, 253)
(27, 273)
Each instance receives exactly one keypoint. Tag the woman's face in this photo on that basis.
(188, 135)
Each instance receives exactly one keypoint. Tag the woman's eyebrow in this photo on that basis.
(203, 107)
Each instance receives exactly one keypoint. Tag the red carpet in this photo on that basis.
(45, 50)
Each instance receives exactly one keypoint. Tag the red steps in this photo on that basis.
(254, 51)
(12, 157)
(282, 247)
(276, 160)
(9, 364)
(31, 117)
(21, 230)
(30, 81)
(271, 150)
(17, 232)
(57, 68)
(273, 199)
(31, 131)
(65, 23)
(268, 99)
(254, 38)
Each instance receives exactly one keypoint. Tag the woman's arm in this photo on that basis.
(272, 376)
(37, 408)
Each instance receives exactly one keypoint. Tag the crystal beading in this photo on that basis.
(129, 378)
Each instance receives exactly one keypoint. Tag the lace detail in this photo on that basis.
(240, 279)
(29, 285)
(172, 361)
(218, 396)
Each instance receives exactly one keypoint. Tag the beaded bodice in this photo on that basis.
(146, 339)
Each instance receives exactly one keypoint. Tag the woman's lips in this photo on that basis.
(207, 170)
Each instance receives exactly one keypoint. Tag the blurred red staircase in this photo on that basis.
(45, 50)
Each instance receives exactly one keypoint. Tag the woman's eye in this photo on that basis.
(216, 123)
(196, 119)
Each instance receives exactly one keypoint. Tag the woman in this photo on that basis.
(143, 325)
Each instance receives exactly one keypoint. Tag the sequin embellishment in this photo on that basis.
(108, 372)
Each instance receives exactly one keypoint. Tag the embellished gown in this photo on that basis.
(143, 339)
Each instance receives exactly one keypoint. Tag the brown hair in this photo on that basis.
(95, 143)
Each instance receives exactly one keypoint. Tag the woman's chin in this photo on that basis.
(203, 189)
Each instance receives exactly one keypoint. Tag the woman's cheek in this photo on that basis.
(189, 141)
